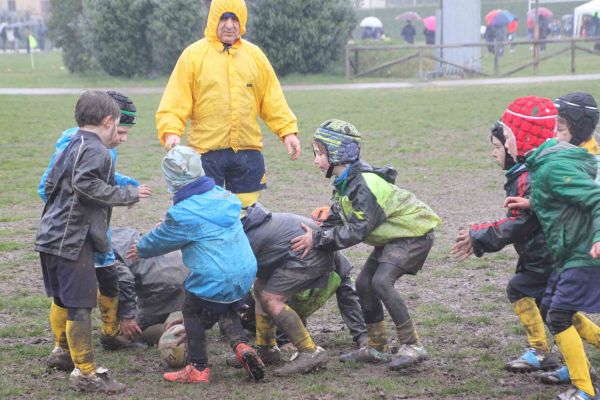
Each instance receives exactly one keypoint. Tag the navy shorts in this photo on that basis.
(574, 289)
(239, 172)
(73, 282)
(530, 284)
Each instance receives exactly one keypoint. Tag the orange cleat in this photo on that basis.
(189, 375)
(250, 360)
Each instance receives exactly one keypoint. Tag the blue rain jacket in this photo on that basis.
(207, 229)
(100, 259)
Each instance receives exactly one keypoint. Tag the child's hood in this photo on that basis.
(256, 215)
(387, 172)
(216, 206)
(553, 150)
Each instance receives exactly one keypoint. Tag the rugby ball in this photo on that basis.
(175, 356)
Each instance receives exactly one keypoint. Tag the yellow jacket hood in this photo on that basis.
(220, 7)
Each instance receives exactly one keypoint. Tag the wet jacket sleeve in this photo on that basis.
(333, 218)
(274, 109)
(90, 187)
(43, 180)
(365, 216)
(124, 180)
(493, 236)
(127, 295)
(167, 237)
(177, 101)
(575, 187)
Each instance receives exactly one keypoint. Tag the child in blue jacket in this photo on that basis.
(204, 222)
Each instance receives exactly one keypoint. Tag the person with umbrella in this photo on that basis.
(429, 30)
(409, 32)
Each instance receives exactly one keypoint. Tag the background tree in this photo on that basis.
(66, 29)
(171, 30)
(118, 35)
(302, 36)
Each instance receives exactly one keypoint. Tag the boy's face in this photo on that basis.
(498, 153)
(321, 159)
(511, 142)
(562, 130)
(228, 30)
(120, 135)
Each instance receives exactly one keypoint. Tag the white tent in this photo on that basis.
(585, 9)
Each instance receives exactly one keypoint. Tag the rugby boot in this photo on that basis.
(561, 376)
(189, 374)
(306, 361)
(407, 356)
(534, 360)
(114, 342)
(98, 382)
(60, 359)
(576, 394)
(249, 359)
(270, 355)
(367, 354)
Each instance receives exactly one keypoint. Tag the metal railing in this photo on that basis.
(424, 52)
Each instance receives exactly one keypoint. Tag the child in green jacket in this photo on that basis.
(577, 120)
(368, 207)
(566, 199)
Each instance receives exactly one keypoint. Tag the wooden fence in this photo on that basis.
(423, 52)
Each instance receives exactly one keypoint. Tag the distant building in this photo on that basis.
(36, 9)
(371, 4)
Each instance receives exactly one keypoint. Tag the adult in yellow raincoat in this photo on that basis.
(222, 83)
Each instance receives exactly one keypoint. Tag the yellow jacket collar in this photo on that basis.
(591, 146)
(220, 7)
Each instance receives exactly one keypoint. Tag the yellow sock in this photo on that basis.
(291, 324)
(58, 324)
(265, 331)
(108, 314)
(531, 319)
(407, 333)
(248, 199)
(589, 331)
(79, 336)
(377, 336)
(571, 346)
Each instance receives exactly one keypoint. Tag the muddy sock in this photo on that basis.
(589, 331)
(248, 199)
(79, 336)
(377, 336)
(571, 346)
(108, 314)
(265, 331)
(58, 324)
(291, 324)
(531, 319)
(407, 334)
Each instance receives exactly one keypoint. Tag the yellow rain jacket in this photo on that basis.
(223, 92)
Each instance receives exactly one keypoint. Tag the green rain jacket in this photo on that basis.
(369, 208)
(566, 200)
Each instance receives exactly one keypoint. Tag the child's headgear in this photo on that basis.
(580, 110)
(128, 110)
(181, 165)
(498, 132)
(533, 120)
(342, 141)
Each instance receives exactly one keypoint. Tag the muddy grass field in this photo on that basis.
(437, 138)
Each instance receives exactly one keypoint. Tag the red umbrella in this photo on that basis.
(542, 11)
(490, 16)
(408, 16)
(429, 23)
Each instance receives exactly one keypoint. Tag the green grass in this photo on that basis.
(437, 138)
